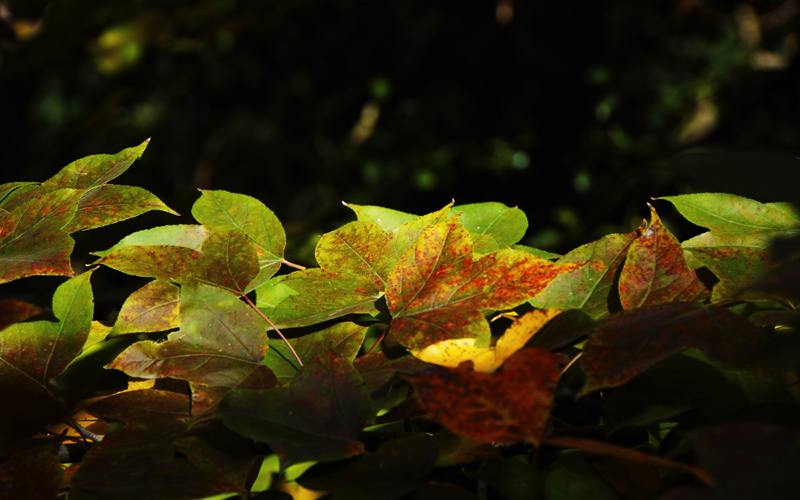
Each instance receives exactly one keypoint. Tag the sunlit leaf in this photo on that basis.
(317, 416)
(96, 170)
(630, 342)
(224, 211)
(588, 288)
(182, 235)
(437, 290)
(358, 248)
(32, 238)
(109, 204)
(511, 404)
(655, 270)
(164, 262)
(385, 218)
(152, 308)
(506, 225)
(229, 261)
(453, 352)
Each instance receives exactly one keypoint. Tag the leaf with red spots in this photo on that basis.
(96, 170)
(32, 354)
(222, 211)
(164, 262)
(589, 288)
(655, 270)
(229, 261)
(110, 204)
(511, 404)
(152, 308)
(221, 343)
(32, 236)
(317, 416)
(629, 343)
(437, 291)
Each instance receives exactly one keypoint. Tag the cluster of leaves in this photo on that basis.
(425, 356)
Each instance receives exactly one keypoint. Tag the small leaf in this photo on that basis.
(589, 287)
(510, 404)
(655, 270)
(152, 308)
(224, 211)
(318, 416)
(385, 218)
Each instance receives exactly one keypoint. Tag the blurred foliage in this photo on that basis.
(576, 113)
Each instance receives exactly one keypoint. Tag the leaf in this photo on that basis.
(385, 218)
(152, 308)
(164, 262)
(437, 290)
(655, 270)
(14, 311)
(182, 235)
(386, 474)
(32, 239)
(563, 330)
(10, 190)
(36, 473)
(31, 354)
(504, 224)
(735, 215)
(453, 352)
(229, 261)
(357, 248)
(629, 343)
(589, 287)
(221, 343)
(510, 404)
(345, 339)
(316, 417)
(110, 204)
(225, 211)
(96, 170)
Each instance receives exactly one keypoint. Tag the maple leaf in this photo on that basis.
(453, 352)
(589, 287)
(511, 404)
(437, 290)
(655, 270)
(630, 342)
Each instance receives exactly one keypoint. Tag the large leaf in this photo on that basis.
(152, 308)
(437, 291)
(511, 404)
(630, 342)
(317, 416)
(32, 236)
(224, 211)
(589, 287)
(655, 270)
(221, 343)
(31, 354)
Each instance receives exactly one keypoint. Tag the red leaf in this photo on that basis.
(510, 404)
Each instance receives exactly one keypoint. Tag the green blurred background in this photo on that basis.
(577, 113)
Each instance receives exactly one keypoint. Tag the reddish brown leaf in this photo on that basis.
(437, 291)
(510, 404)
(655, 270)
(13, 311)
(630, 342)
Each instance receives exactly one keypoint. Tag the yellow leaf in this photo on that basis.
(453, 352)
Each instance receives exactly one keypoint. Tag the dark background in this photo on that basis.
(577, 112)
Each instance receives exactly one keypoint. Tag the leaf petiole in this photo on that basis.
(285, 341)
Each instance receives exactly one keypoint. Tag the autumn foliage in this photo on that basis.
(426, 357)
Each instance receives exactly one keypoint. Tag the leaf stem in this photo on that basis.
(292, 264)
(576, 358)
(285, 341)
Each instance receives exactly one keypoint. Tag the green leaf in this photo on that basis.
(9, 188)
(96, 170)
(110, 204)
(229, 261)
(631, 342)
(735, 215)
(655, 270)
(182, 235)
(224, 211)
(505, 224)
(32, 238)
(316, 417)
(437, 291)
(167, 263)
(358, 248)
(344, 339)
(589, 287)
(152, 308)
(386, 474)
(385, 218)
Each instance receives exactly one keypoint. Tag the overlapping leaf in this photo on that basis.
(152, 308)
(655, 270)
(492, 225)
(109, 204)
(181, 235)
(437, 290)
(222, 211)
(511, 404)
(317, 416)
(31, 354)
(630, 342)
(590, 287)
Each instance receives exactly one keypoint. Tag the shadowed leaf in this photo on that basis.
(510, 404)
(31, 474)
(655, 270)
(13, 311)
